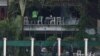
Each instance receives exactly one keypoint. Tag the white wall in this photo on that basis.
(3, 2)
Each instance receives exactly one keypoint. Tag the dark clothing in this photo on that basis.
(70, 51)
(54, 49)
(37, 51)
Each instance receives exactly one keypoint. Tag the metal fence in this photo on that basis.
(48, 48)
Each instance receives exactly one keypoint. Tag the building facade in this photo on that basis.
(54, 17)
(59, 21)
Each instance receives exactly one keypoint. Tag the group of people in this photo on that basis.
(42, 51)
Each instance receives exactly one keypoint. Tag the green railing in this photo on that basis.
(50, 43)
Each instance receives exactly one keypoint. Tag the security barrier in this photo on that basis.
(43, 47)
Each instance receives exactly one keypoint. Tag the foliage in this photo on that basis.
(69, 38)
(52, 38)
(81, 35)
(82, 22)
(3, 28)
(18, 24)
(13, 9)
(10, 28)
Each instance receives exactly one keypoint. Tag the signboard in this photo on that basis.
(34, 14)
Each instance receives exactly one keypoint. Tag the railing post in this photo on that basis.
(59, 46)
(32, 46)
(4, 46)
(86, 47)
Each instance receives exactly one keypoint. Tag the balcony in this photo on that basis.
(51, 24)
(3, 2)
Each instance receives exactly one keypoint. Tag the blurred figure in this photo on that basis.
(70, 50)
(37, 51)
(54, 49)
(44, 51)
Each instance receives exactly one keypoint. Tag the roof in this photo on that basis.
(3, 2)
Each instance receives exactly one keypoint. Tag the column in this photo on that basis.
(59, 46)
(86, 47)
(4, 46)
(32, 46)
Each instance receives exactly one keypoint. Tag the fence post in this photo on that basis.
(4, 46)
(59, 46)
(86, 46)
(32, 46)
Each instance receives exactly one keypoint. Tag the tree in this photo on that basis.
(11, 29)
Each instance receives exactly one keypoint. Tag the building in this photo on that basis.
(55, 17)
(3, 9)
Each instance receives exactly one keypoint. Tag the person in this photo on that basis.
(54, 49)
(44, 51)
(37, 51)
(93, 50)
(71, 51)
